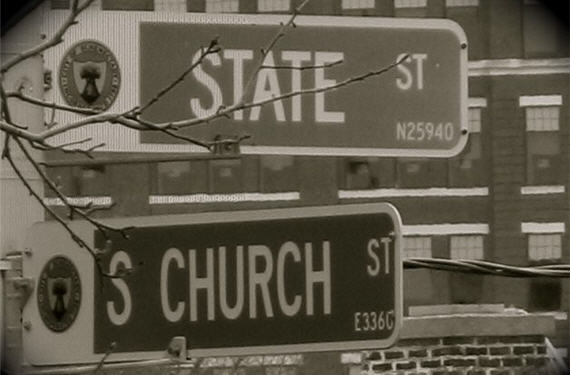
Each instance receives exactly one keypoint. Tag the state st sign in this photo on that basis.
(418, 108)
(233, 283)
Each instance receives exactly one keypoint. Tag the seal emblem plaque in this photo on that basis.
(59, 293)
(89, 76)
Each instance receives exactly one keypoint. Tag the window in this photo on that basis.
(181, 177)
(222, 6)
(91, 181)
(60, 4)
(543, 34)
(544, 294)
(225, 176)
(278, 174)
(273, 5)
(467, 168)
(368, 173)
(468, 15)
(410, 8)
(466, 247)
(127, 5)
(359, 175)
(543, 145)
(79, 181)
(461, 3)
(63, 180)
(416, 172)
(417, 247)
(544, 247)
(178, 6)
(357, 4)
(410, 3)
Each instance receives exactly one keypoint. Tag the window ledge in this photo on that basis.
(445, 229)
(224, 198)
(531, 227)
(543, 189)
(429, 192)
(96, 201)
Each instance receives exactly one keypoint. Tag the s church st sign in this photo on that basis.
(418, 108)
(232, 283)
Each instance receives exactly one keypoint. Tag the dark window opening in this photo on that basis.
(127, 5)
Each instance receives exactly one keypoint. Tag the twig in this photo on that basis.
(302, 67)
(264, 51)
(52, 105)
(108, 352)
(74, 209)
(212, 48)
(236, 365)
(315, 90)
(57, 38)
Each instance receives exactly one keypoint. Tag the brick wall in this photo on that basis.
(457, 355)
(495, 342)
(492, 343)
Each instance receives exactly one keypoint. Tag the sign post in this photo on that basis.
(232, 283)
(417, 108)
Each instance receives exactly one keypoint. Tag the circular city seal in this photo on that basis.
(89, 76)
(59, 293)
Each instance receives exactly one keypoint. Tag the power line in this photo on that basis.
(488, 268)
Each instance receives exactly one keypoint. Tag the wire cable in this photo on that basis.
(488, 268)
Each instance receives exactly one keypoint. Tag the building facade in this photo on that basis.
(505, 198)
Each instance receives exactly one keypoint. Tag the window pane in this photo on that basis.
(415, 173)
(60, 4)
(226, 176)
(127, 5)
(545, 295)
(474, 120)
(461, 3)
(368, 173)
(182, 177)
(278, 174)
(417, 247)
(410, 8)
(90, 181)
(410, 3)
(541, 31)
(544, 247)
(542, 118)
(221, 6)
(357, 4)
(467, 169)
(178, 6)
(543, 158)
(63, 179)
(466, 247)
(273, 5)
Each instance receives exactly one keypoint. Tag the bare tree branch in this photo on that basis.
(108, 352)
(131, 119)
(212, 48)
(57, 38)
(264, 51)
(302, 67)
(41, 103)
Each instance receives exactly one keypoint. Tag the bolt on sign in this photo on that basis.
(232, 283)
(417, 108)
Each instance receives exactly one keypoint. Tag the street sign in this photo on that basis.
(417, 108)
(232, 283)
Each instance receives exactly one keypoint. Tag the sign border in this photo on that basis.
(359, 22)
(50, 238)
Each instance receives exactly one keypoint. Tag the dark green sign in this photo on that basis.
(417, 108)
(253, 282)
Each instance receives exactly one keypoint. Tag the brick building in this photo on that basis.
(504, 199)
